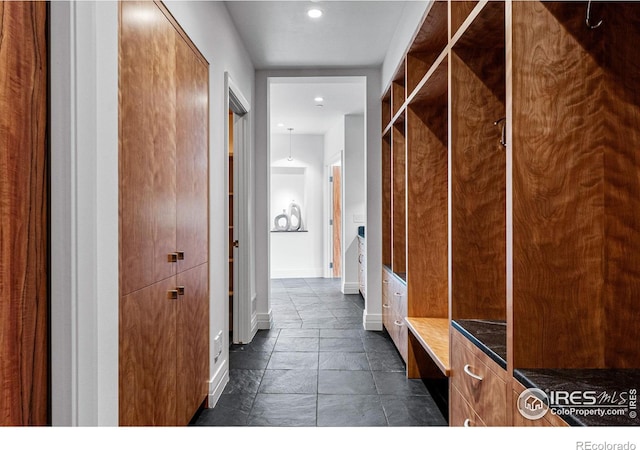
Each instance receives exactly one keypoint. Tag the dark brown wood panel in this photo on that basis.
(398, 92)
(478, 183)
(192, 342)
(558, 191)
(622, 183)
(147, 363)
(398, 199)
(427, 203)
(386, 199)
(428, 43)
(147, 146)
(192, 165)
(24, 230)
(459, 12)
(386, 109)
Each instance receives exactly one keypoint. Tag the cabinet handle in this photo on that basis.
(172, 294)
(386, 305)
(180, 256)
(467, 370)
(467, 423)
(398, 323)
(385, 281)
(398, 294)
(180, 290)
(172, 257)
(236, 243)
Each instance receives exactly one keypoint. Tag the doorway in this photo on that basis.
(241, 306)
(336, 220)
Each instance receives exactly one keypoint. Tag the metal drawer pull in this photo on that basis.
(467, 370)
(398, 294)
(385, 281)
(467, 423)
(397, 322)
(172, 257)
(180, 290)
(180, 256)
(386, 305)
(172, 294)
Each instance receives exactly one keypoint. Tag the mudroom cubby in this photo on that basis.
(520, 200)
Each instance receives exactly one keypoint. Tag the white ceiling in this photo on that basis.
(293, 105)
(279, 34)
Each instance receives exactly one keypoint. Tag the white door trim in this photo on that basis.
(244, 320)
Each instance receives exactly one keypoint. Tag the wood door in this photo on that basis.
(147, 363)
(192, 128)
(192, 342)
(337, 221)
(147, 145)
(24, 232)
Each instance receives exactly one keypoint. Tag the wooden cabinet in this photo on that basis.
(480, 382)
(164, 220)
(24, 209)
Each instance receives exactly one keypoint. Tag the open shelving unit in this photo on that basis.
(511, 201)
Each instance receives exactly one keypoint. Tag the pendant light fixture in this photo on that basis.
(290, 158)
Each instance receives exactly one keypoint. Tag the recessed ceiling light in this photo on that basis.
(319, 99)
(314, 13)
(280, 124)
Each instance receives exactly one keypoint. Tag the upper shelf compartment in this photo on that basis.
(430, 41)
(398, 90)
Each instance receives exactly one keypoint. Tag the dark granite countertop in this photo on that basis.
(490, 336)
(611, 388)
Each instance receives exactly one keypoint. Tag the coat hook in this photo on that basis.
(588, 18)
(503, 137)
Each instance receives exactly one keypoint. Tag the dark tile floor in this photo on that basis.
(318, 367)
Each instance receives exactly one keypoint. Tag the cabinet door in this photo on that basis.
(192, 163)
(147, 361)
(192, 341)
(147, 146)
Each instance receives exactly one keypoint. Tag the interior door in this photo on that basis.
(24, 230)
(337, 221)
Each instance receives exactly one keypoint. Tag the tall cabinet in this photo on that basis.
(163, 208)
(511, 200)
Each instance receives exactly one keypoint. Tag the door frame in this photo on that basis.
(245, 323)
(337, 159)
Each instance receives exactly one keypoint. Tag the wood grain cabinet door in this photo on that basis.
(147, 146)
(192, 341)
(192, 163)
(147, 362)
(24, 235)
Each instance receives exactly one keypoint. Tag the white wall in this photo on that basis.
(354, 205)
(84, 104)
(297, 255)
(372, 318)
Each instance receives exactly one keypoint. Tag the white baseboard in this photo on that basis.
(217, 383)
(297, 273)
(264, 321)
(351, 288)
(372, 322)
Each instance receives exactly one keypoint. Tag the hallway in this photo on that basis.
(318, 367)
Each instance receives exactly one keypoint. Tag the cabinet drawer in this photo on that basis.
(548, 420)
(461, 414)
(481, 382)
(398, 301)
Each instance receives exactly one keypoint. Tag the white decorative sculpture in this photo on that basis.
(281, 222)
(289, 220)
